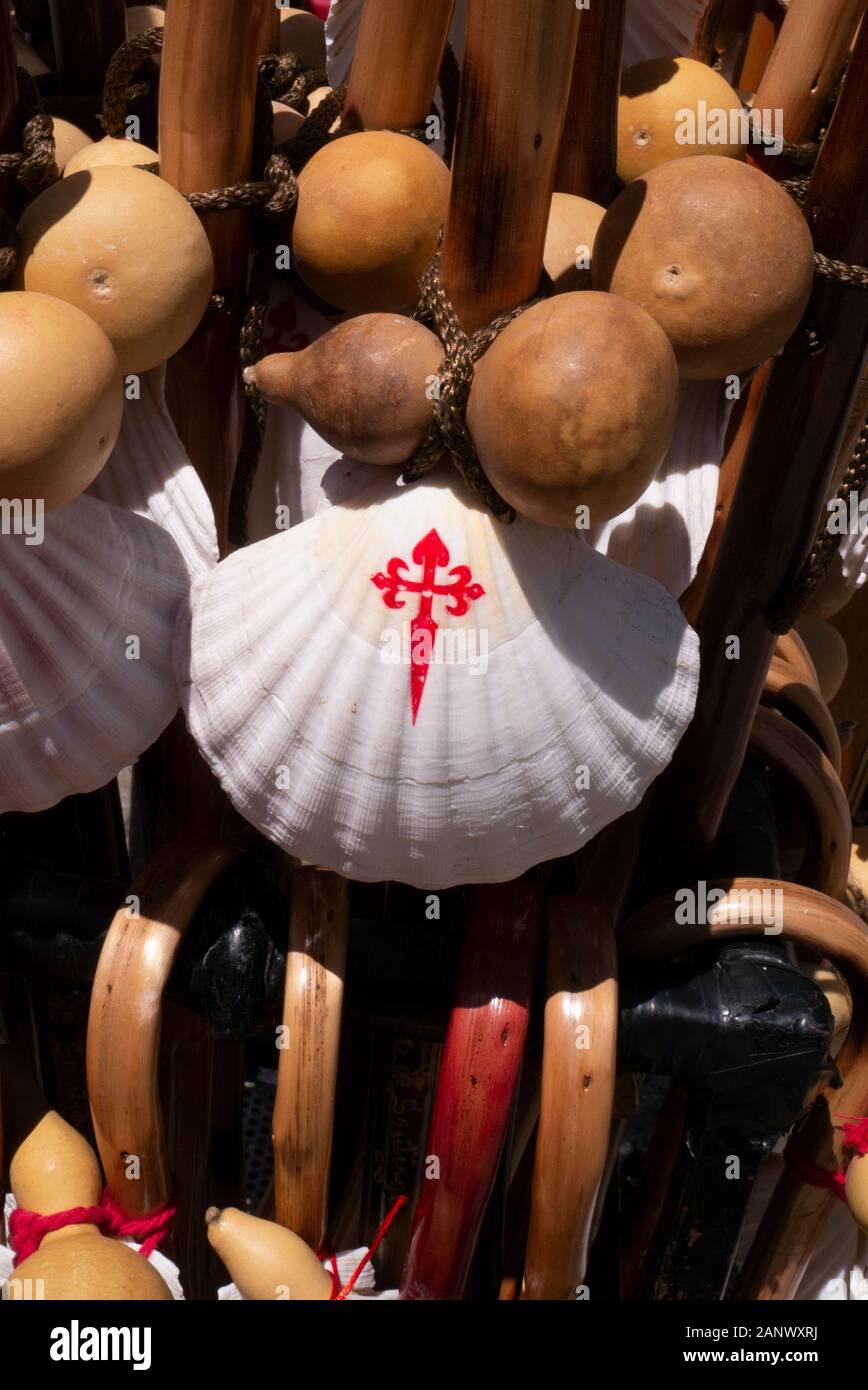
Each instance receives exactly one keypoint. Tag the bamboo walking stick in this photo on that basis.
(503, 175)
(207, 98)
(396, 64)
(820, 928)
(303, 1117)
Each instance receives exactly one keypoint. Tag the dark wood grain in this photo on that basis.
(515, 81)
(589, 144)
(86, 34)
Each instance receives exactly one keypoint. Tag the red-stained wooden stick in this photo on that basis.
(476, 1087)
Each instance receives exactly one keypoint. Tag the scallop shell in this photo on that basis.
(402, 688)
(660, 28)
(148, 472)
(74, 708)
(663, 535)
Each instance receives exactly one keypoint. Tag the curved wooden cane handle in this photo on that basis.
(821, 928)
(782, 690)
(791, 649)
(795, 753)
(123, 1031)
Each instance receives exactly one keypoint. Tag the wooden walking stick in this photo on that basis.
(123, 1039)
(207, 99)
(759, 41)
(8, 89)
(396, 64)
(307, 1072)
(476, 1086)
(805, 63)
(702, 47)
(589, 145)
(784, 480)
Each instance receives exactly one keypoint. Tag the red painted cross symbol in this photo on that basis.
(432, 555)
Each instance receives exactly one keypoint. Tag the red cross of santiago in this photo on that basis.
(432, 555)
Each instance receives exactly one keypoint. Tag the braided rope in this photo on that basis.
(34, 165)
(448, 435)
(124, 62)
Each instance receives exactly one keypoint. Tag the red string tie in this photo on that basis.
(27, 1229)
(338, 1294)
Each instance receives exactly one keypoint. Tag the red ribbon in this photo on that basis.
(28, 1228)
(338, 1294)
(855, 1136)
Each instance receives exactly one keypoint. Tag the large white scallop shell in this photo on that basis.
(663, 535)
(557, 688)
(76, 702)
(148, 472)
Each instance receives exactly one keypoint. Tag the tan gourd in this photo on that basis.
(572, 226)
(574, 404)
(856, 1189)
(110, 151)
(828, 651)
(304, 34)
(316, 96)
(129, 251)
(362, 386)
(370, 207)
(140, 18)
(61, 399)
(660, 99)
(68, 140)
(266, 1261)
(286, 123)
(717, 253)
(56, 1169)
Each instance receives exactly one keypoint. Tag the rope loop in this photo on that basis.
(34, 165)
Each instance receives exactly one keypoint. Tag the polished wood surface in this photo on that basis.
(702, 48)
(589, 144)
(476, 1086)
(207, 95)
(303, 1117)
(123, 1036)
(396, 63)
(820, 928)
(580, 1046)
(794, 696)
(758, 46)
(515, 80)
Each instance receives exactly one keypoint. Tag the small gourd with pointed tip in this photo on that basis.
(53, 1170)
(363, 386)
(266, 1261)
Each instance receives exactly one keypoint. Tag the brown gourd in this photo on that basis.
(61, 399)
(126, 249)
(370, 207)
(68, 140)
(129, 153)
(572, 226)
(660, 98)
(53, 1170)
(717, 253)
(362, 386)
(303, 33)
(574, 404)
(266, 1261)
